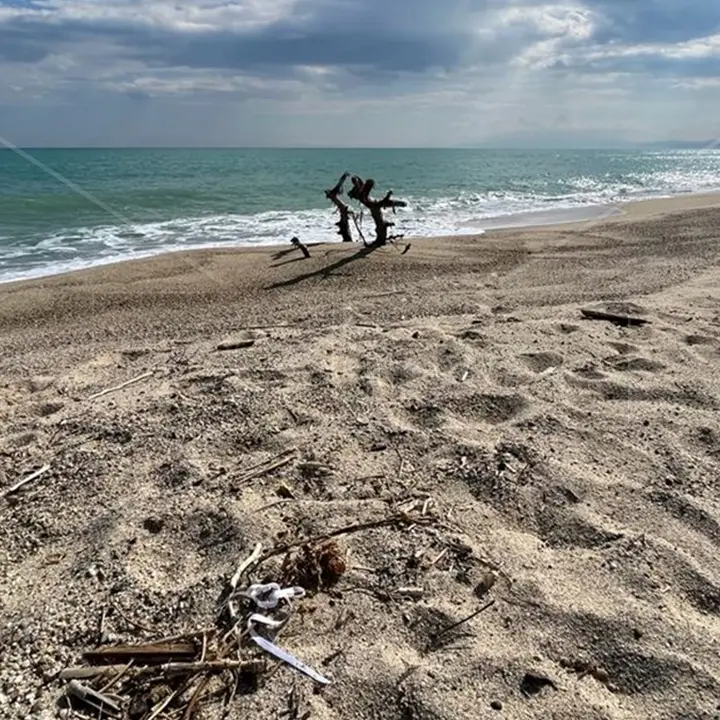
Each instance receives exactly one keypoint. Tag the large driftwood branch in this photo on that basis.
(615, 318)
(360, 191)
(343, 224)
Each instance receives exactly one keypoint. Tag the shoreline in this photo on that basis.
(517, 222)
(201, 290)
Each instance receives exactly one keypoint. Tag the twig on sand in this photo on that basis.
(245, 565)
(447, 629)
(276, 503)
(159, 709)
(398, 519)
(195, 698)
(302, 247)
(130, 621)
(101, 625)
(116, 678)
(115, 388)
(267, 466)
(235, 345)
(21, 483)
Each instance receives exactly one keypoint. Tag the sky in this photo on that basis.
(376, 73)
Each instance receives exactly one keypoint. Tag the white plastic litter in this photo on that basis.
(268, 597)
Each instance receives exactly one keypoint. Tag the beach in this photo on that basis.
(453, 380)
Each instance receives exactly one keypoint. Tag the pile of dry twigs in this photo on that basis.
(173, 677)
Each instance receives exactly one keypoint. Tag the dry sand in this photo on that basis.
(578, 459)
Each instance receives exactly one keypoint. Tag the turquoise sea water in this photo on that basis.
(65, 209)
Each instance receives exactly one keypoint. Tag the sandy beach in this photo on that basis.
(574, 461)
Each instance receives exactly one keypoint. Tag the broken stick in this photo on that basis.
(398, 519)
(267, 466)
(302, 247)
(132, 381)
(235, 345)
(614, 318)
(447, 629)
(148, 653)
(94, 699)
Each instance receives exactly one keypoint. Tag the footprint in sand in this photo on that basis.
(588, 371)
(637, 364)
(699, 340)
(491, 408)
(541, 362)
(623, 348)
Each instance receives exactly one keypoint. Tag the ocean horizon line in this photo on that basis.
(620, 146)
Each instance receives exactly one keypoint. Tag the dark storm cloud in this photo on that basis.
(274, 47)
(405, 36)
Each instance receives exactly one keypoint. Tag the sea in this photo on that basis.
(64, 209)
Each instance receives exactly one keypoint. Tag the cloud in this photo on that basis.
(455, 68)
(663, 21)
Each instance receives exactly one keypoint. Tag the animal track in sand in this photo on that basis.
(212, 531)
(671, 566)
(560, 526)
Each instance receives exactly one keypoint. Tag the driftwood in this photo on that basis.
(149, 653)
(343, 224)
(234, 345)
(360, 191)
(300, 246)
(614, 318)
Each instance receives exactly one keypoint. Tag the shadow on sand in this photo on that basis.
(363, 252)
